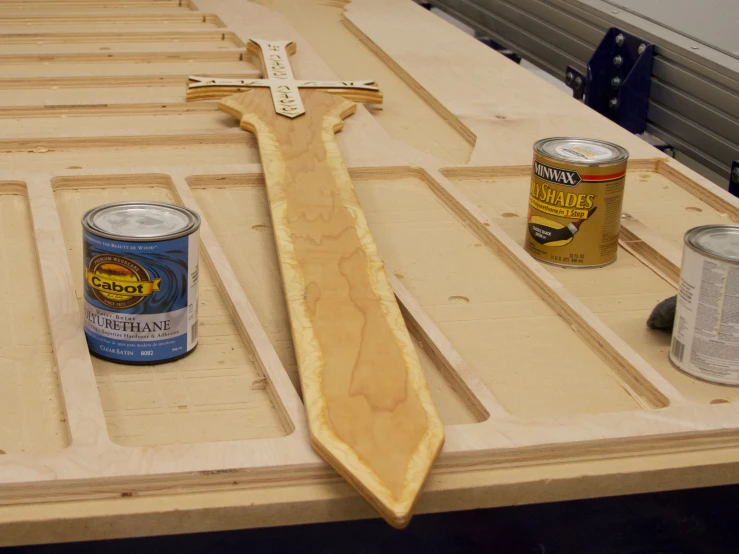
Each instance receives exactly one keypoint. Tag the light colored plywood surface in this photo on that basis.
(59, 21)
(213, 63)
(214, 394)
(113, 43)
(32, 410)
(20, 7)
(484, 309)
(369, 409)
(624, 293)
(502, 105)
(42, 92)
(240, 217)
(91, 153)
(152, 55)
(547, 382)
(180, 123)
(229, 510)
(403, 114)
(668, 209)
(93, 92)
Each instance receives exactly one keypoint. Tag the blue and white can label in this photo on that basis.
(141, 297)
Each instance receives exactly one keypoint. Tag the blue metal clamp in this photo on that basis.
(618, 79)
(734, 178)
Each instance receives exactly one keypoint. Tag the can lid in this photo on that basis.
(582, 151)
(721, 241)
(140, 221)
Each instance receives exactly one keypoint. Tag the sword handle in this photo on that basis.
(370, 412)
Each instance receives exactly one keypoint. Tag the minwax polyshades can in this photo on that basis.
(141, 281)
(577, 188)
(705, 336)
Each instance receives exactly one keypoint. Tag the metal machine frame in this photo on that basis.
(694, 98)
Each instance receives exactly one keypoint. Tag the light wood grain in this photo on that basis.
(648, 266)
(499, 440)
(141, 20)
(369, 410)
(16, 7)
(404, 115)
(501, 107)
(216, 394)
(84, 412)
(42, 43)
(237, 208)
(465, 382)
(499, 326)
(648, 386)
(608, 423)
(652, 249)
(283, 393)
(27, 364)
(95, 66)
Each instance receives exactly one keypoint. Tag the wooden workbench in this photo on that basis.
(547, 380)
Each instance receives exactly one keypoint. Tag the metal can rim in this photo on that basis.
(193, 218)
(690, 235)
(622, 157)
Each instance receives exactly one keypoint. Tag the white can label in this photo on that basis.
(705, 337)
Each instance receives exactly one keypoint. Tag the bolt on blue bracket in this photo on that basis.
(734, 178)
(618, 79)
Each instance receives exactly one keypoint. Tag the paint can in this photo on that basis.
(141, 281)
(705, 336)
(577, 188)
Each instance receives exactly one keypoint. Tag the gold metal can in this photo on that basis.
(577, 188)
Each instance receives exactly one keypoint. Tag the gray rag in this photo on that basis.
(663, 315)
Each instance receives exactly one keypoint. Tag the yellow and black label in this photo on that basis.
(549, 200)
(574, 212)
(119, 282)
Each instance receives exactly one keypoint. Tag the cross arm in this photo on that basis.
(215, 88)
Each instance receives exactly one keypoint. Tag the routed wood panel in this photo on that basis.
(624, 293)
(53, 21)
(547, 382)
(21, 6)
(668, 209)
(403, 114)
(125, 152)
(156, 65)
(215, 393)
(240, 218)
(111, 43)
(484, 309)
(31, 408)
(121, 125)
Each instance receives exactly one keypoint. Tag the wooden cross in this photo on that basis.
(369, 410)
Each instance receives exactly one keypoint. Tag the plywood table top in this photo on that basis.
(548, 383)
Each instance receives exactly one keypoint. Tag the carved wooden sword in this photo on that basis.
(370, 414)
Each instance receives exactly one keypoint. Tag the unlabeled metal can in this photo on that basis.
(577, 188)
(141, 281)
(705, 337)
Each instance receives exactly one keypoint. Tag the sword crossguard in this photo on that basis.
(273, 56)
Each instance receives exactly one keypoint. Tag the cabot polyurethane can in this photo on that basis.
(141, 281)
(705, 336)
(577, 188)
